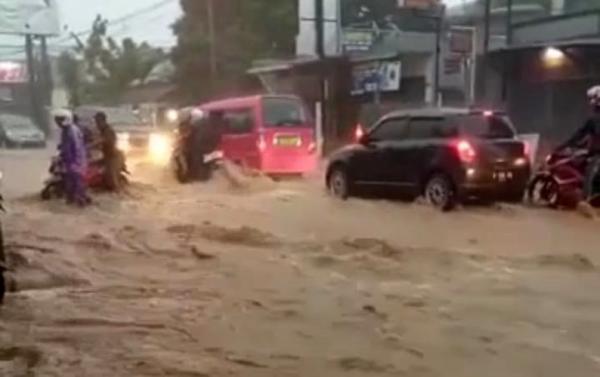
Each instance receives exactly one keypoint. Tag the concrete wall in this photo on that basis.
(558, 29)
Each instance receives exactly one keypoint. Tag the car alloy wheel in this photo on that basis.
(439, 192)
(338, 183)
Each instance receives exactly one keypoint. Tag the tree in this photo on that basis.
(70, 70)
(101, 69)
(244, 31)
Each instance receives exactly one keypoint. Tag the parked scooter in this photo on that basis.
(559, 181)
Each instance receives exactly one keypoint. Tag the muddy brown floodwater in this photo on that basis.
(278, 279)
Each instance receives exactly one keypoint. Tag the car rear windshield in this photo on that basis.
(487, 127)
(284, 112)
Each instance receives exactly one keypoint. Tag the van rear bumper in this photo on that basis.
(288, 164)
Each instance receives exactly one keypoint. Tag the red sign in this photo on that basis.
(12, 73)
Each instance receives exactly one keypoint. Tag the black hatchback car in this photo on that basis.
(446, 155)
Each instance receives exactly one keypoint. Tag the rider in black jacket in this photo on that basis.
(590, 134)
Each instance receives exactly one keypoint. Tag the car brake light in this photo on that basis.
(359, 132)
(466, 152)
(526, 149)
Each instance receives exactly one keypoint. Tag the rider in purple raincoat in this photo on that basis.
(73, 157)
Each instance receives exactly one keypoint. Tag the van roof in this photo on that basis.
(235, 101)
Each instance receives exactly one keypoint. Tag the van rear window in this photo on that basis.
(284, 113)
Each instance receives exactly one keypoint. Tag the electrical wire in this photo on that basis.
(123, 19)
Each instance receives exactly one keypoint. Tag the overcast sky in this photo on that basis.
(153, 26)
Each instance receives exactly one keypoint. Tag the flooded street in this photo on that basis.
(278, 279)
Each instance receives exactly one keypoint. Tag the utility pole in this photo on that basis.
(320, 51)
(487, 15)
(31, 72)
(319, 45)
(212, 40)
(439, 21)
(509, 16)
(46, 72)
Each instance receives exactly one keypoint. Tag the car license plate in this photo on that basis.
(289, 141)
(503, 176)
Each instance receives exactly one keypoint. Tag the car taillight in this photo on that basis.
(526, 149)
(359, 132)
(465, 150)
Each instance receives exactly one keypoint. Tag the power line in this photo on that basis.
(122, 19)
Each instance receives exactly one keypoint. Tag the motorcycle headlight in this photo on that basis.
(123, 142)
(159, 148)
(172, 115)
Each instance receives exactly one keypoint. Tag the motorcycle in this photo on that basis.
(200, 169)
(95, 177)
(210, 163)
(559, 181)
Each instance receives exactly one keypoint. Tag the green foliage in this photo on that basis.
(101, 69)
(245, 30)
(70, 69)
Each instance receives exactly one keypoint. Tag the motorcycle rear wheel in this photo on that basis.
(51, 191)
(543, 191)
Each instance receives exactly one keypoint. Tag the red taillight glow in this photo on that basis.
(466, 152)
(526, 149)
(488, 113)
(359, 132)
(261, 143)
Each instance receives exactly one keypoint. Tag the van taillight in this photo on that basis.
(466, 152)
(261, 143)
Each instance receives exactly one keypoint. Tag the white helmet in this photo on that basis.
(197, 114)
(65, 114)
(593, 95)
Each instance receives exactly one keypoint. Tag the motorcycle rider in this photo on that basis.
(590, 133)
(73, 157)
(111, 156)
(210, 136)
(189, 130)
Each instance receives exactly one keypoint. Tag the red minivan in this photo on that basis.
(271, 133)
